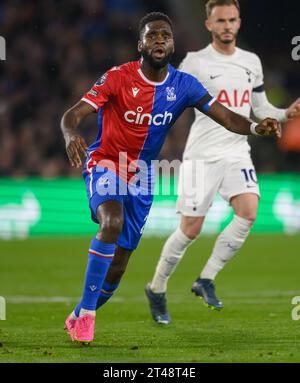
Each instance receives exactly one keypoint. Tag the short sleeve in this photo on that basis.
(258, 85)
(198, 94)
(103, 89)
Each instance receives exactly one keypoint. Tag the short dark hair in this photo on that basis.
(211, 4)
(154, 16)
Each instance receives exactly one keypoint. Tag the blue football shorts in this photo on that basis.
(104, 185)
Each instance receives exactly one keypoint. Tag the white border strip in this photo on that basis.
(152, 82)
(90, 102)
(100, 254)
(91, 184)
(251, 298)
(212, 101)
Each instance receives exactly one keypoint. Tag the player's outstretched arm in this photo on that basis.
(75, 144)
(293, 110)
(242, 125)
(263, 108)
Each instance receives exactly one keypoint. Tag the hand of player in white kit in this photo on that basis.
(269, 127)
(293, 110)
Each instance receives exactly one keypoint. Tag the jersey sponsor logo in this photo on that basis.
(212, 77)
(235, 98)
(135, 91)
(171, 96)
(139, 118)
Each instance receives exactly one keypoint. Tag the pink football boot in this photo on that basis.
(84, 329)
(70, 326)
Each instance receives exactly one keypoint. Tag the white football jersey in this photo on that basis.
(231, 79)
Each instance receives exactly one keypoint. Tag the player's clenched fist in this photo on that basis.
(269, 127)
(76, 148)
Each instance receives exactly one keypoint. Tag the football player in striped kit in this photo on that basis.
(137, 103)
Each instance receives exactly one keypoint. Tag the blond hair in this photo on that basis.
(211, 4)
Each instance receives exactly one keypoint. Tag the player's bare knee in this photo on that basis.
(114, 224)
(191, 232)
(111, 228)
(249, 215)
(190, 227)
(245, 206)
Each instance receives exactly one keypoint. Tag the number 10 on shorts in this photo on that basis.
(249, 175)
(2, 308)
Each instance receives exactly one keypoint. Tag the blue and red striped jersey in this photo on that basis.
(135, 114)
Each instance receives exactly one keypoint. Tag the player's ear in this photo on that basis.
(208, 25)
(239, 23)
(140, 45)
(173, 48)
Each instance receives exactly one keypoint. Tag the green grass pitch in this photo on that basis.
(42, 278)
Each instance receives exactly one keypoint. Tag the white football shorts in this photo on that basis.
(200, 180)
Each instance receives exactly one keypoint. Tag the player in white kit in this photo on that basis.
(235, 77)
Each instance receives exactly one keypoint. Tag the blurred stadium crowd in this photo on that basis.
(57, 49)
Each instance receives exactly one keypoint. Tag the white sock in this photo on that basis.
(84, 312)
(171, 254)
(73, 315)
(227, 244)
